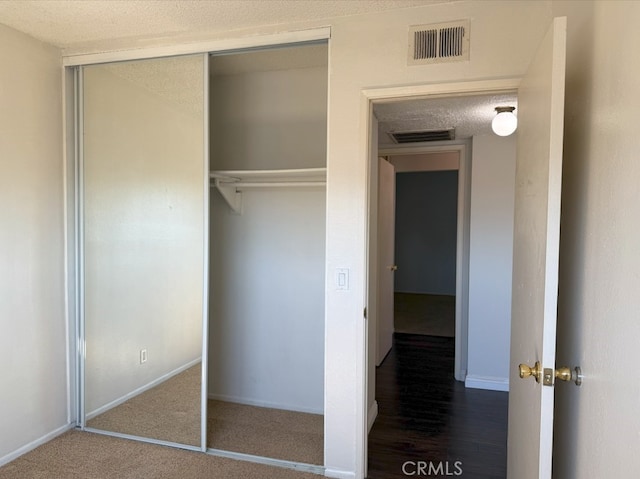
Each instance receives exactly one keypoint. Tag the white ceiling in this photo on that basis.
(469, 115)
(74, 23)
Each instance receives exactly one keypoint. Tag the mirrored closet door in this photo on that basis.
(144, 208)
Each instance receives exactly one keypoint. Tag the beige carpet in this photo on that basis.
(428, 314)
(83, 455)
(169, 411)
(288, 435)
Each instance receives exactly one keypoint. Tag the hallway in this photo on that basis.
(425, 415)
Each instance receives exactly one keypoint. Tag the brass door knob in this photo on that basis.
(394, 267)
(567, 374)
(535, 371)
(548, 376)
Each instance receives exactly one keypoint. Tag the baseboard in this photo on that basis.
(141, 389)
(372, 415)
(487, 382)
(33, 444)
(267, 404)
(462, 376)
(339, 474)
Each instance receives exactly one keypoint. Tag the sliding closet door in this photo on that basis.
(144, 210)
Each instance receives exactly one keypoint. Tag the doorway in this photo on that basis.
(406, 346)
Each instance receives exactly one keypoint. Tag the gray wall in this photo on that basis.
(426, 223)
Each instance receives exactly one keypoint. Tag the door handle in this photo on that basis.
(394, 267)
(549, 375)
(535, 371)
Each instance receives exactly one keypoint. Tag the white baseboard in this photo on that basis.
(339, 474)
(267, 404)
(33, 444)
(372, 415)
(141, 389)
(487, 382)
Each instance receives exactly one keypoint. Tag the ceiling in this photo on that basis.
(70, 24)
(470, 115)
(77, 24)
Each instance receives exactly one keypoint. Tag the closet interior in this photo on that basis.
(268, 114)
(229, 358)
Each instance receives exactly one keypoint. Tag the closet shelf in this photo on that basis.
(230, 183)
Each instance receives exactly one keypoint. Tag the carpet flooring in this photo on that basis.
(171, 412)
(426, 314)
(288, 435)
(83, 455)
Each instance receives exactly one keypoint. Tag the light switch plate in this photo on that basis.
(342, 279)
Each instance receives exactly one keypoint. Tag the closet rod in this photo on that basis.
(273, 184)
(316, 172)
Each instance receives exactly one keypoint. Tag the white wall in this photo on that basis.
(32, 308)
(596, 426)
(266, 332)
(267, 264)
(490, 263)
(144, 223)
(372, 291)
(269, 119)
(370, 51)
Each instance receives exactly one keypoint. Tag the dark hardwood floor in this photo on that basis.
(424, 414)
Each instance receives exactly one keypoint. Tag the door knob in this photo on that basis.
(566, 374)
(549, 375)
(394, 267)
(535, 371)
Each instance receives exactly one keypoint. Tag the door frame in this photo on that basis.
(368, 98)
(463, 210)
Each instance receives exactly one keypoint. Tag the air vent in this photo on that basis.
(439, 43)
(425, 135)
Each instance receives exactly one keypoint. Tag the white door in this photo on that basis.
(535, 256)
(386, 265)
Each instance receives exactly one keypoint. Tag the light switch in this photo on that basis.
(342, 279)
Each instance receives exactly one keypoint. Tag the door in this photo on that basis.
(535, 257)
(144, 173)
(386, 261)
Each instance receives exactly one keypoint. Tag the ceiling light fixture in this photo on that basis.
(505, 122)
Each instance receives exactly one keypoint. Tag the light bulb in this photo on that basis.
(505, 122)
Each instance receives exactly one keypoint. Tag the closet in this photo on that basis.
(201, 277)
(268, 113)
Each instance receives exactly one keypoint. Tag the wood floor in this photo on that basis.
(425, 415)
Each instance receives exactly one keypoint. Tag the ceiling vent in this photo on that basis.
(424, 136)
(439, 43)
